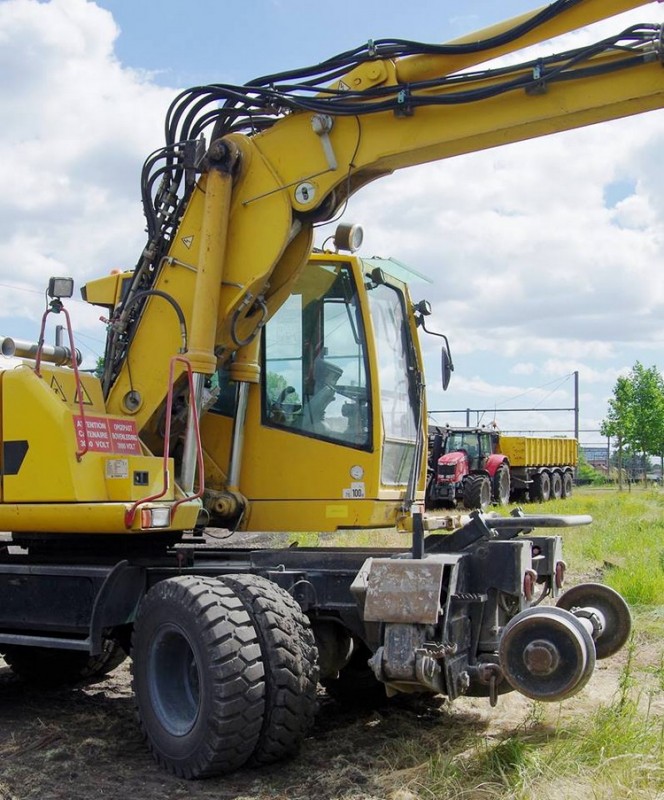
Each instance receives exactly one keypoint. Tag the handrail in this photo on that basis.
(130, 514)
(56, 307)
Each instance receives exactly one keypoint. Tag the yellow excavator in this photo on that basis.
(253, 383)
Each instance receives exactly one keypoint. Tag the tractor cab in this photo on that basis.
(477, 443)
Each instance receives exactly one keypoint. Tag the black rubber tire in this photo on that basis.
(568, 484)
(48, 668)
(477, 492)
(290, 661)
(501, 485)
(556, 485)
(198, 677)
(540, 491)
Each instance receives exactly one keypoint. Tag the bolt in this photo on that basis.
(541, 657)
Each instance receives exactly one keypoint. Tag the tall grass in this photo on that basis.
(624, 546)
(615, 752)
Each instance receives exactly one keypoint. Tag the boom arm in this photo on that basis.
(288, 150)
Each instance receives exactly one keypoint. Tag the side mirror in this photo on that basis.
(447, 367)
(446, 355)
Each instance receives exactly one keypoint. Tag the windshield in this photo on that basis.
(472, 442)
(314, 359)
(397, 371)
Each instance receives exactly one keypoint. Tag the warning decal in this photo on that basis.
(86, 399)
(57, 388)
(107, 435)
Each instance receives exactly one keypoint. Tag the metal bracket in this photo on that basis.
(321, 125)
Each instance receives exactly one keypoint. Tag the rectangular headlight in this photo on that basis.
(155, 517)
(61, 287)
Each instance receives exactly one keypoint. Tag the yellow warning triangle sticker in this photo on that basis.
(87, 400)
(187, 241)
(57, 388)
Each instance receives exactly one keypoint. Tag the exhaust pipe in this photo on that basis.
(55, 354)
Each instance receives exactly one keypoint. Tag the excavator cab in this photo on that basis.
(339, 392)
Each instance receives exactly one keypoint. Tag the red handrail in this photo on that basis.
(56, 307)
(130, 514)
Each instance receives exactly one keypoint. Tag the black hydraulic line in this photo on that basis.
(396, 48)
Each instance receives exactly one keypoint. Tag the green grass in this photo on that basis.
(624, 546)
(613, 753)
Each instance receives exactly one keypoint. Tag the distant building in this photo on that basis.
(596, 456)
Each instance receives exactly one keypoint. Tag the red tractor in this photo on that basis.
(464, 467)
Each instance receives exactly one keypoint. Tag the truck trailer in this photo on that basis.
(477, 467)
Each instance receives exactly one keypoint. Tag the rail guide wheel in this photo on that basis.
(606, 609)
(547, 654)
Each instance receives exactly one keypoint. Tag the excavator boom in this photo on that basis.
(288, 150)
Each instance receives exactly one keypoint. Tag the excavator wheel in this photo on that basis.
(615, 615)
(290, 660)
(477, 492)
(568, 484)
(48, 668)
(501, 485)
(546, 653)
(556, 486)
(540, 491)
(198, 676)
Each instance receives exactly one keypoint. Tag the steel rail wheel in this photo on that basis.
(546, 653)
(586, 598)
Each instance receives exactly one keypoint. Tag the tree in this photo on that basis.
(618, 422)
(648, 412)
(636, 414)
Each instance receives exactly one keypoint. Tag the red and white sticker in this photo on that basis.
(107, 435)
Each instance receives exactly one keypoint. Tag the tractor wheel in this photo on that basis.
(47, 667)
(198, 677)
(501, 485)
(477, 492)
(556, 486)
(290, 660)
(540, 490)
(568, 484)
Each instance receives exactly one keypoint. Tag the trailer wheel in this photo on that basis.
(48, 668)
(501, 485)
(290, 660)
(540, 490)
(556, 486)
(198, 677)
(477, 492)
(568, 484)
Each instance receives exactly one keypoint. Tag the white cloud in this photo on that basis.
(76, 127)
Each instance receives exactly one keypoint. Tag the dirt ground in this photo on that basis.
(85, 743)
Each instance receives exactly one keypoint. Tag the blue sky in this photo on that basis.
(544, 256)
(187, 44)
